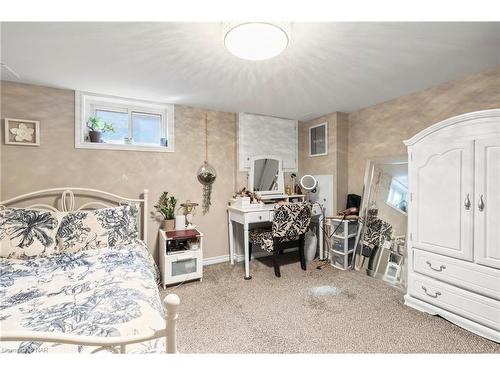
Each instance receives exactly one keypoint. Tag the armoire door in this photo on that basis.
(487, 202)
(442, 197)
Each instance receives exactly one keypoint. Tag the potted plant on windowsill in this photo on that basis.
(166, 207)
(97, 127)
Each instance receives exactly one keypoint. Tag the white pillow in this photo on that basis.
(27, 232)
(94, 229)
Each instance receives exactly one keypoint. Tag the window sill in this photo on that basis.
(397, 209)
(118, 147)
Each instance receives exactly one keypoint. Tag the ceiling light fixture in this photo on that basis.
(256, 40)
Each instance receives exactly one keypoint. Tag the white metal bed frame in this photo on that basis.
(112, 344)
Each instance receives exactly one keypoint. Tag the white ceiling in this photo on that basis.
(327, 66)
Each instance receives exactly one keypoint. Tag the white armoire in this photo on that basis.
(454, 221)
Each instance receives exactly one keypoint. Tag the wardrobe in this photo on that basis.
(454, 221)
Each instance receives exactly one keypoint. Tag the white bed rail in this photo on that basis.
(68, 201)
(113, 344)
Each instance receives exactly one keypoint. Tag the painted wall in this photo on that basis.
(57, 163)
(335, 162)
(380, 130)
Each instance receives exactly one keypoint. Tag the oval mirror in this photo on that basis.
(308, 182)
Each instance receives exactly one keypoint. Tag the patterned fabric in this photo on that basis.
(93, 293)
(289, 222)
(377, 231)
(84, 230)
(27, 233)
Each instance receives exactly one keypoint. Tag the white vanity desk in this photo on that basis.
(249, 216)
(266, 178)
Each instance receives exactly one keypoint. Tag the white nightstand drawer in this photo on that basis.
(469, 305)
(259, 217)
(466, 275)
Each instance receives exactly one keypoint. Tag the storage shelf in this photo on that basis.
(343, 237)
(341, 252)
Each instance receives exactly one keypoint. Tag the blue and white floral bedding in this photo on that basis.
(99, 292)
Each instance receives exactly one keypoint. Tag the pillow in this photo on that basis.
(26, 232)
(94, 229)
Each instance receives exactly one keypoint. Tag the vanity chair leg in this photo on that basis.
(276, 253)
(249, 251)
(301, 252)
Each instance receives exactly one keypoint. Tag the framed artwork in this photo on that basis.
(22, 132)
(318, 140)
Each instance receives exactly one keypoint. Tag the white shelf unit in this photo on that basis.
(181, 256)
(342, 242)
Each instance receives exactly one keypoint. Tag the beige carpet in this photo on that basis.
(226, 314)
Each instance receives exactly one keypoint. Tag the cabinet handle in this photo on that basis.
(435, 295)
(480, 204)
(467, 202)
(435, 269)
(260, 217)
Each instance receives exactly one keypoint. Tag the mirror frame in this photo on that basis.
(368, 179)
(367, 191)
(280, 181)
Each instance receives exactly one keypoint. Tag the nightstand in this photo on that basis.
(181, 256)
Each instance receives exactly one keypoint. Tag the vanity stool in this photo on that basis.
(289, 225)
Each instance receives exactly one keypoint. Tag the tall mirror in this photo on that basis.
(266, 176)
(381, 247)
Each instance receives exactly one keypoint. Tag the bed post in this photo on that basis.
(171, 303)
(145, 217)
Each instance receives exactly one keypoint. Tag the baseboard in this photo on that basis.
(240, 257)
(215, 260)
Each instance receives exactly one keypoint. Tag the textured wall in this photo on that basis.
(335, 162)
(380, 130)
(57, 163)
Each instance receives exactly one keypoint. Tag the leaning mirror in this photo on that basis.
(266, 176)
(382, 238)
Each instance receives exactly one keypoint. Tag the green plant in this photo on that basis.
(166, 206)
(95, 124)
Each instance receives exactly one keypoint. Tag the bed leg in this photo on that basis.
(171, 303)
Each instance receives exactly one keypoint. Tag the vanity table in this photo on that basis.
(266, 177)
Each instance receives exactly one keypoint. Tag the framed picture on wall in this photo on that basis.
(22, 132)
(318, 140)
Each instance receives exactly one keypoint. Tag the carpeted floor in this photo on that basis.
(313, 311)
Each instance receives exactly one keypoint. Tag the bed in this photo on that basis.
(89, 299)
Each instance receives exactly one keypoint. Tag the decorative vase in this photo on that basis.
(95, 137)
(168, 225)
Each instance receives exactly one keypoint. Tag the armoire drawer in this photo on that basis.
(466, 275)
(483, 310)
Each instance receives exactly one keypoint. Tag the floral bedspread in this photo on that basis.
(103, 292)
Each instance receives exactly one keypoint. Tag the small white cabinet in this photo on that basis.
(454, 221)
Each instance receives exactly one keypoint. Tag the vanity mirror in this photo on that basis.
(381, 243)
(266, 176)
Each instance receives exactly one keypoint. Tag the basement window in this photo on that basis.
(123, 124)
(397, 196)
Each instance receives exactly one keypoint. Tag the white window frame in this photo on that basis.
(86, 103)
(325, 124)
(389, 192)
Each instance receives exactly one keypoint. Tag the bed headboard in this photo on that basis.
(65, 200)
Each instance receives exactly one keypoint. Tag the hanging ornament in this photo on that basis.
(206, 174)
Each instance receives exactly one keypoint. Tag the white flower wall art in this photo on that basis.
(22, 132)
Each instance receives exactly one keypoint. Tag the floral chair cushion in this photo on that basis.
(289, 222)
(27, 232)
(93, 229)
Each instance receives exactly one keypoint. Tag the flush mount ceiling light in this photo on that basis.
(256, 40)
